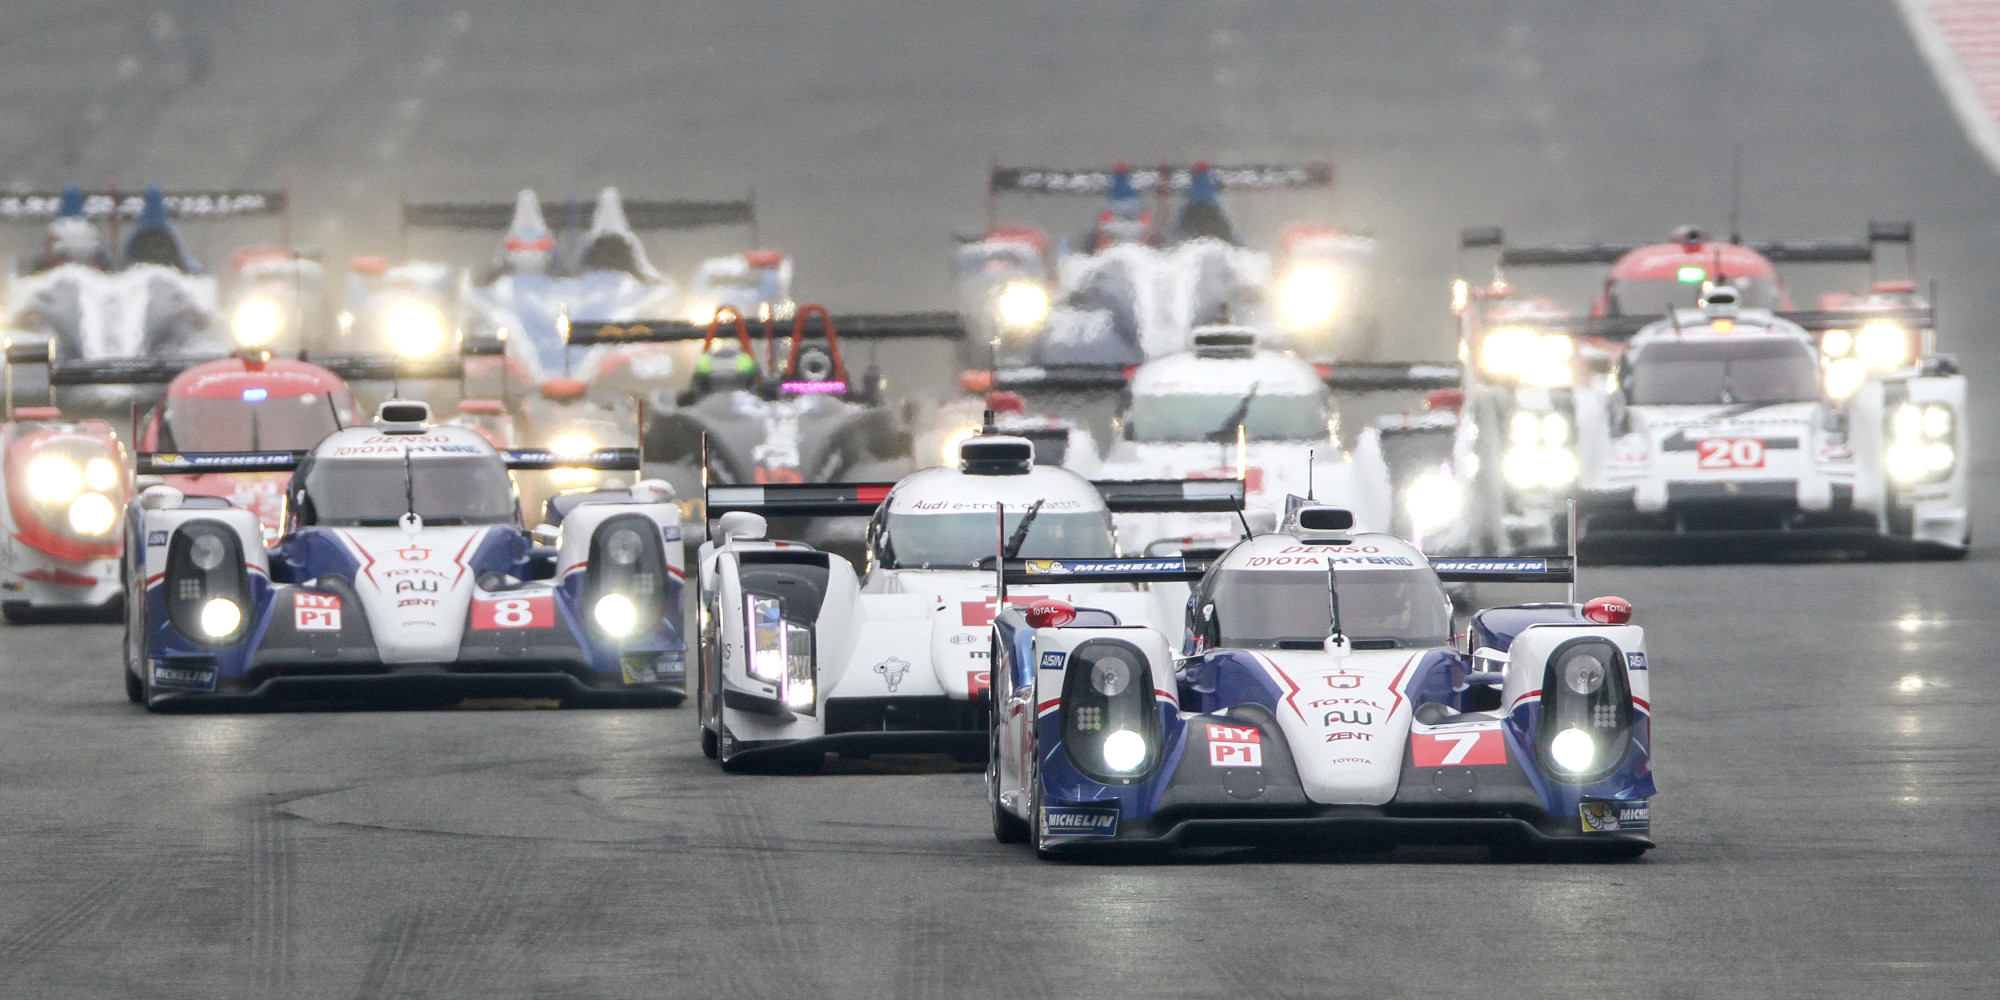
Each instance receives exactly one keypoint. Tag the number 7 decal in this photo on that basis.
(1466, 747)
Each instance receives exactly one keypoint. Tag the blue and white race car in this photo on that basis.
(1320, 701)
(403, 567)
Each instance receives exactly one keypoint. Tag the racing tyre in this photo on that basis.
(710, 745)
(1007, 827)
(135, 689)
(17, 612)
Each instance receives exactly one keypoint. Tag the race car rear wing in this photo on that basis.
(187, 463)
(41, 206)
(1161, 179)
(1505, 569)
(1043, 572)
(1778, 251)
(640, 214)
(601, 460)
(1814, 321)
(1392, 376)
(851, 326)
(1133, 496)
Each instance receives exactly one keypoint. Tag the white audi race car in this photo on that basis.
(403, 568)
(1319, 700)
(801, 653)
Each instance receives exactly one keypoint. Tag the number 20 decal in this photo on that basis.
(514, 612)
(1729, 453)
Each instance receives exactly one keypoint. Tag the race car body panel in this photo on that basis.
(64, 483)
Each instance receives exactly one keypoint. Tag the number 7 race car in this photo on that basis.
(802, 655)
(403, 567)
(1322, 703)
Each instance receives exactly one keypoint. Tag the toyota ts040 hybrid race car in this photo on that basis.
(403, 567)
(1322, 702)
(801, 655)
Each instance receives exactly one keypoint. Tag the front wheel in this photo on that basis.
(135, 689)
(710, 745)
(1007, 827)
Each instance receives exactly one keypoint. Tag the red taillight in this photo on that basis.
(1608, 610)
(1049, 613)
(1447, 400)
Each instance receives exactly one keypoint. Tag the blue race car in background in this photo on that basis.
(1321, 703)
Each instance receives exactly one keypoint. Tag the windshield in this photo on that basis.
(1269, 609)
(1184, 417)
(1651, 298)
(1709, 372)
(367, 492)
(956, 541)
(278, 423)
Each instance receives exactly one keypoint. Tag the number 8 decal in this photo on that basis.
(514, 612)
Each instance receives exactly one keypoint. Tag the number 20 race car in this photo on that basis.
(1322, 704)
(800, 655)
(404, 568)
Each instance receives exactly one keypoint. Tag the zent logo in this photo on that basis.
(514, 612)
(1478, 746)
(1729, 453)
(1235, 746)
(316, 612)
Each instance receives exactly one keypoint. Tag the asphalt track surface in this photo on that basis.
(1826, 732)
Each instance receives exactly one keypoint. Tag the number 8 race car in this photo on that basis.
(403, 567)
(1324, 705)
(800, 655)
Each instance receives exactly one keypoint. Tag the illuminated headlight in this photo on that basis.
(1937, 421)
(100, 475)
(1555, 430)
(54, 480)
(781, 652)
(1882, 346)
(1021, 305)
(616, 615)
(1573, 751)
(572, 446)
(1432, 501)
(1921, 448)
(948, 452)
(701, 313)
(1539, 468)
(1836, 343)
(1309, 297)
(1524, 355)
(1124, 751)
(256, 322)
(220, 617)
(92, 514)
(415, 330)
(1843, 376)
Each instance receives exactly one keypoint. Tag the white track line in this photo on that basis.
(1961, 41)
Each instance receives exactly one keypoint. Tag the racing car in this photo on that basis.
(155, 300)
(801, 654)
(1317, 699)
(404, 567)
(1133, 290)
(1539, 378)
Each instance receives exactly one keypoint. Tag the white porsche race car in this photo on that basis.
(801, 654)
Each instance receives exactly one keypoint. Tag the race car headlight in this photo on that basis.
(1843, 376)
(571, 445)
(1883, 346)
(1110, 725)
(207, 584)
(54, 479)
(1586, 712)
(414, 330)
(92, 514)
(256, 322)
(1530, 357)
(1432, 501)
(781, 652)
(220, 617)
(627, 590)
(1836, 343)
(1922, 446)
(1308, 297)
(100, 474)
(1535, 467)
(1021, 306)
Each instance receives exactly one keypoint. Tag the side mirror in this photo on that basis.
(743, 524)
(546, 534)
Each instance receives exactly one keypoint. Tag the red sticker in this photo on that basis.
(1729, 453)
(973, 614)
(977, 681)
(316, 612)
(1235, 746)
(538, 611)
(1472, 746)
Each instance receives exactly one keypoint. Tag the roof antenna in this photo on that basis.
(1311, 459)
(1000, 559)
(990, 425)
(1736, 197)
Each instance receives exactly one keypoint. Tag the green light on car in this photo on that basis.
(1692, 275)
